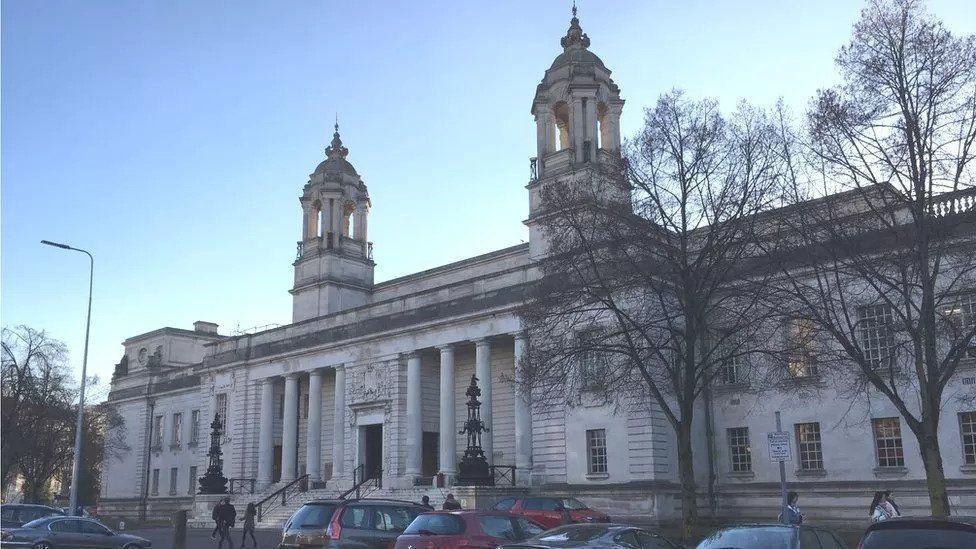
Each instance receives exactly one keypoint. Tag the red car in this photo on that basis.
(551, 512)
(467, 529)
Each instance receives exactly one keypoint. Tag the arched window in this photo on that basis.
(603, 128)
(561, 115)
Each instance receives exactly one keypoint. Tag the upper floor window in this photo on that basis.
(734, 370)
(154, 490)
(887, 442)
(592, 360)
(874, 330)
(801, 342)
(177, 438)
(967, 425)
(157, 436)
(194, 427)
(221, 409)
(960, 316)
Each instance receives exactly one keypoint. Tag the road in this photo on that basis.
(197, 538)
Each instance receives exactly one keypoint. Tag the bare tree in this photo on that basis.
(883, 271)
(650, 298)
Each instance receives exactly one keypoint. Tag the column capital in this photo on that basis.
(449, 347)
(269, 380)
(521, 334)
(316, 372)
(340, 366)
(481, 341)
(410, 354)
(293, 375)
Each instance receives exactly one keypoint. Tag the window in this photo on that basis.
(802, 351)
(967, 423)
(529, 529)
(356, 516)
(390, 518)
(627, 538)
(876, 334)
(437, 524)
(808, 446)
(194, 427)
(158, 432)
(960, 318)
(222, 409)
(177, 439)
(192, 488)
(734, 371)
(887, 442)
(499, 526)
(504, 505)
(92, 527)
(155, 483)
(739, 450)
(173, 473)
(73, 526)
(281, 406)
(541, 504)
(593, 366)
(596, 451)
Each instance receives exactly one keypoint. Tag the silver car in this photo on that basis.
(69, 532)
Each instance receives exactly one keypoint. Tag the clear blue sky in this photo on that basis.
(173, 138)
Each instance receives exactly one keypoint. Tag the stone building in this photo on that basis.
(369, 379)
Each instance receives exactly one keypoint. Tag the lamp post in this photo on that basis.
(76, 467)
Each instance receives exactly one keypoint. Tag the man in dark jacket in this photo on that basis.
(451, 504)
(224, 515)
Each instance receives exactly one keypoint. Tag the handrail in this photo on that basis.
(266, 504)
(357, 485)
(237, 485)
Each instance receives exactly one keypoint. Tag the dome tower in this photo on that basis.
(334, 267)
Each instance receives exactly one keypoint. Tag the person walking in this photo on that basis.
(250, 513)
(425, 501)
(224, 515)
(878, 511)
(890, 505)
(791, 515)
(451, 504)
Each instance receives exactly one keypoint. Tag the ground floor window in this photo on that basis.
(967, 423)
(155, 483)
(193, 481)
(887, 442)
(173, 474)
(809, 447)
(596, 451)
(739, 451)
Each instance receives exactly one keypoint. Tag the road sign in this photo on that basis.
(779, 446)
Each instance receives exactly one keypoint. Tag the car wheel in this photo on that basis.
(43, 545)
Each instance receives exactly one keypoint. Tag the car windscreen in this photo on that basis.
(906, 538)
(571, 534)
(312, 516)
(573, 504)
(436, 524)
(36, 523)
(771, 536)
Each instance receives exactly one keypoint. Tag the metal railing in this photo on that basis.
(363, 483)
(279, 498)
(241, 485)
(503, 474)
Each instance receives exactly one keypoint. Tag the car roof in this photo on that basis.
(380, 501)
(30, 505)
(493, 512)
(944, 523)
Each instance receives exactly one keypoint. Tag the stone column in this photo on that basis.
(313, 427)
(448, 426)
(482, 365)
(266, 434)
(592, 127)
(577, 132)
(337, 218)
(414, 416)
(543, 130)
(339, 423)
(523, 416)
(289, 429)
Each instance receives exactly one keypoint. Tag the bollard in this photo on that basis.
(179, 529)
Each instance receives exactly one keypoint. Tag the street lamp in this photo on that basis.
(76, 467)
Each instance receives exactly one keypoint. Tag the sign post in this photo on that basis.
(780, 450)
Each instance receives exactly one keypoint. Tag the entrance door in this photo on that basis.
(429, 454)
(371, 450)
(276, 465)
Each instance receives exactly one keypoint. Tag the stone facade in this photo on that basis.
(370, 377)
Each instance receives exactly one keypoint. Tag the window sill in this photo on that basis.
(811, 473)
(890, 472)
(969, 469)
(742, 475)
(731, 387)
(597, 476)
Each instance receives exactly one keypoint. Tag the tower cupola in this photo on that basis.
(334, 267)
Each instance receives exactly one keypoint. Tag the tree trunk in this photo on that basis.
(686, 474)
(934, 474)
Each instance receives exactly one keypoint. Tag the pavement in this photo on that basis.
(199, 538)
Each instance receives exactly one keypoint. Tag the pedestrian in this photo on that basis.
(224, 514)
(791, 515)
(877, 511)
(249, 514)
(425, 502)
(451, 504)
(890, 505)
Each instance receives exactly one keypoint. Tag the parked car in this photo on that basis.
(69, 532)
(913, 532)
(767, 536)
(551, 512)
(14, 515)
(595, 535)
(468, 528)
(349, 524)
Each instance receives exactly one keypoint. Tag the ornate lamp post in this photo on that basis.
(473, 470)
(214, 481)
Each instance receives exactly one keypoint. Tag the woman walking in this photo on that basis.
(878, 511)
(249, 513)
